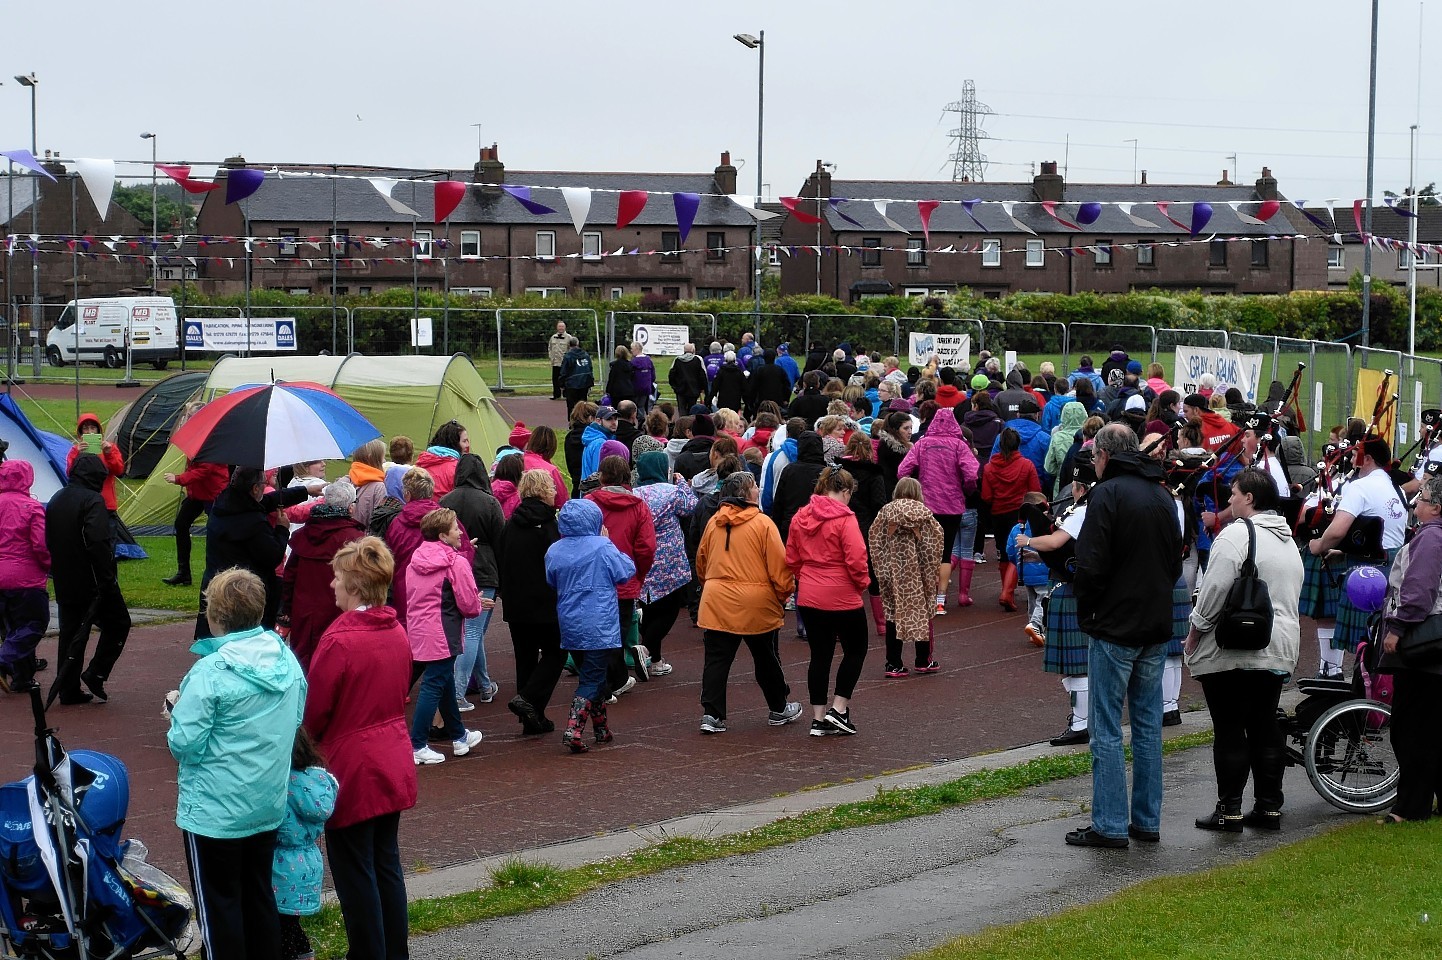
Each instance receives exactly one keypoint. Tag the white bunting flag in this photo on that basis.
(749, 205)
(1007, 206)
(99, 179)
(384, 186)
(578, 203)
(880, 206)
(1126, 209)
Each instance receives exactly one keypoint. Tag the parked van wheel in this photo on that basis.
(112, 358)
(54, 357)
(160, 364)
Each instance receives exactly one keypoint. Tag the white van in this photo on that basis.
(99, 327)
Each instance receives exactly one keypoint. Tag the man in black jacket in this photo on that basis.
(1128, 557)
(695, 456)
(798, 481)
(576, 375)
(627, 430)
(687, 378)
(481, 517)
(811, 405)
(87, 591)
(769, 382)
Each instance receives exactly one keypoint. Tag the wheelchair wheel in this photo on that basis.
(1349, 756)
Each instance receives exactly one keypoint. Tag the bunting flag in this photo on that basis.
(1126, 209)
(385, 186)
(180, 173)
(1087, 213)
(1397, 208)
(1050, 207)
(522, 196)
(1201, 216)
(836, 203)
(1007, 207)
(1164, 206)
(629, 205)
(26, 159)
(448, 196)
(794, 205)
(578, 205)
(1266, 212)
(1317, 221)
(923, 210)
(880, 206)
(969, 206)
(749, 205)
(686, 205)
(241, 182)
(1357, 214)
(99, 179)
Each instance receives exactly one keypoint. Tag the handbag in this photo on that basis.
(1421, 646)
(1246, 621)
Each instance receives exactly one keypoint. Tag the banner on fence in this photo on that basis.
(1372, 396)
(229, 334)
(421, 332)
(1232, 369)
(950, 349)
(661, 340)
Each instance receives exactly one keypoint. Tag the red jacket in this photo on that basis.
(306, 597)
(949, 396)
(442, 471)
(629, 524)
(114, 467)
(355, 708)
(1006, 480)
(203, 481)
(1216, 430)
(825, 550)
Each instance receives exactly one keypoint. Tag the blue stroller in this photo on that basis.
(70, 887)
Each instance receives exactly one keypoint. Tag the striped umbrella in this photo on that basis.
(275, 424)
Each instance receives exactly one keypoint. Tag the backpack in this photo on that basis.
(1246, 622)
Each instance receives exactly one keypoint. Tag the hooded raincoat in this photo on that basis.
(742, 562)
(1073, 415)
(827, 555)
(305, 592)
(631, 527)
(24, 558)
(905, 544)
(670, 570)
(440, 595)
(297, 870)
(585, 568)
(943, 462)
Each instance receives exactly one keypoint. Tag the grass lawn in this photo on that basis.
(1360, 891)
(140, 579)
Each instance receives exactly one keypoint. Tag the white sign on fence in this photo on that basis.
(421, 332)
(228, 334)
(950, 349)
(661, 340)
(1232, 369)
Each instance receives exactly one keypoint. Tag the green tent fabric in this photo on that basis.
(410, 395)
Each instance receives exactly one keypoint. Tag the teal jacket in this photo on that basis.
(232, 731)
(297, 869)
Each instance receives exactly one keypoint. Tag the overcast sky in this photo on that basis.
(655, 86)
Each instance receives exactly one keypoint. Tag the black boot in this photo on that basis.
(1226, 818)
(1259, 819)
(181, 578)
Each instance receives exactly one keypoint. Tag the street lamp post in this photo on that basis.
(36, 321)
(758, 43)
(129, 379)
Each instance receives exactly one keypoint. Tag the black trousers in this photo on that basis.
(573, 397)
(616, 671)
(684, 403)
(556, 383)
(189, 511)
(1246, 738)
(999, 526)
(112, 616)
(1417, 739)
(539, 660)
(365, 865)
(658, 617)
(721, 653)
(234, 899)
(824, 630)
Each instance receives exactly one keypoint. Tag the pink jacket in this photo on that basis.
(825, 550)
(435, 630)
(534, 461)
(505, 493)
(24, 558)
(944, 464)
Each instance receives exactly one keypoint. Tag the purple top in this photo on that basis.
(643, 374)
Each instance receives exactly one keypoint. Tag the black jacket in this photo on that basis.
(239, 534)
(626, 431)
(621, 381)
(576, 370)
(1129, 555)
(798, 481)
(769, 382)
(525, 538)
(871, 494)
(890, 451)
(574, 445)
(695, 456)
(77, 533)
(480, 515)
(810, 406)
(687, 377)
(729, 388)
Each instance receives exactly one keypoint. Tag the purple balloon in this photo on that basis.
(1088, 213)
(1367, 588)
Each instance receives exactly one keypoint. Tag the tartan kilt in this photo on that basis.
(1181, 617)
(1319, 597)
(1352, 623)
(1066, 644)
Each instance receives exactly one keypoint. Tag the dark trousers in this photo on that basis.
(556, 383)
(824, 630)
(234, 899)
(684, 403)
(616, 657)
(539, 659)
(573, 397)
(293, 941)
(1417, 740)
(721, 653)
(112, 617)
(24, 616)
(658, 617)
(189, 511)
(999, 526)
(365, 866)
(1246, 738)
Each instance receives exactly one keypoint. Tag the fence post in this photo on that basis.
(500, 371)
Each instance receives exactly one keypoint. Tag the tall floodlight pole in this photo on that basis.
(758, 43)
(1367, 208)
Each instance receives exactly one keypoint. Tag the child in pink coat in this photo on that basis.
(24, 565)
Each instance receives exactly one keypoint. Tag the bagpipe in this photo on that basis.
(1040, 520)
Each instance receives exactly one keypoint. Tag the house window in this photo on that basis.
(617, 293)
(482, 292)
(916, 292)
(287, 245)
(773, 257)
(545, 244)
(1146, 254)
(991, 252)
(871, 251)
(1035, 253)
(591, 293)
(1404, 258)
(1217, 253)
(591, 246)
(364, 291)
(1104, 253)
(715, 293)
(1336, 257)
(298, 291)
(716, 246)
(670, 246)
(470, 243)
(423, 244)
(345, 291)
(341, 242)
(1260, 254)
(991, 294)
(671, 293)
(915, 252)
(547, 292)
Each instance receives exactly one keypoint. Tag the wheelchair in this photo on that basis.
(1342, 737)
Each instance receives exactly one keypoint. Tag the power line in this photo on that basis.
(1193, 126)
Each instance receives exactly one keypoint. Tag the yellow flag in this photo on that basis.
(1369, 382)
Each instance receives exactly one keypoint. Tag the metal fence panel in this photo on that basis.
(1035, 342)
(1420, 389)
(828, 330)
(1168, 339)
(520, 336)
(701, 327)
(776, 328)
(1372, 358)
(1096, 340)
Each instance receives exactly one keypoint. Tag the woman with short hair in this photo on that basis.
(581, 416)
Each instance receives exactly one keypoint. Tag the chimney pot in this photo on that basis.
(1048, 184)
(725, 158)
(1144, 178)
(1048, 167)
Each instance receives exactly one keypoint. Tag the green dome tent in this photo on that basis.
(410, 395)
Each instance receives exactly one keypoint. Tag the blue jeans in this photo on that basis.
(435, 693)
(1130, 675)
(591, 666)
(472, 661)
(965, 545)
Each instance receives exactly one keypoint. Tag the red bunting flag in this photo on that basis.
(794, 205)
(629, 206)
(180, 173)
(448, 196)
(1162, 205)
(1357, 214)
(1050, 207)
(923, 209)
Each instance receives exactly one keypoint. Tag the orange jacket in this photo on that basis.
(742, 565)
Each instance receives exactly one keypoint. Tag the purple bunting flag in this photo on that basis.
(967, 205)
(26, 159)
(1201, 216)
(686, 206)
(241, 183)
(836, 203)
(1396, 208)
(523, 197)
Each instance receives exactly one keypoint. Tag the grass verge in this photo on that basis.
(519, 886)
(140, 579)
(1359, 891)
